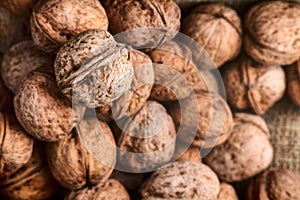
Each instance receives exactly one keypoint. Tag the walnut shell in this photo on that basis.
(133, 99)
(11, 29)
(253, 86)
(176, 76)
(71, 162)
(205, 119)
(247, 151)
(15, 145)
(42, 110)
(293, 79)
(22, 8)
(131, 181)
(32, 181)
(109, 190)
(54, 22)
(275, 184)
(217, 28)
(143, 23)
(19, 60)
(191, 154)
(272, 38)
(92, 69)
(182, 180)
(227, 192)
(147, 140)
(6, 98)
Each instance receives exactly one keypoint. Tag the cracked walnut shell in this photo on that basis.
(54, 22)
(250, 85)
(293, 79)
(273, 32)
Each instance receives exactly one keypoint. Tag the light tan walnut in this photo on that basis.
(227, 192)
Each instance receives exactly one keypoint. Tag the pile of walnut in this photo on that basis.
(60, 64)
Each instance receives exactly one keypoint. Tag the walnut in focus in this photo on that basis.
(15, 145)
(42, 110)
(247, 151)
(203, 120)
(20, 59)
(293, 79)
(253, 86)
(22, 8)
(109, 190)
(143, 24)
(275, 184)
(147, 140)
(217, 28)
(93, 69)
(83, 158)
(54, 22)
(181, 180)
(273, 32)
(227, 192)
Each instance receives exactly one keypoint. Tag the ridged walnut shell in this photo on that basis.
(181, 180)
(133, 99)
(273, 32)
(19, 60)
(148, 139)
(54, 22)
(109, 190)
(71, 162)
(217, 28)
(93, 69)
(293, 79)
(227, 192)
(15, 145)
(275, 184)
(32, 181)
(22, 8)
(42, 110)
(204, 119)
(144, 24)
(253, 86)
(247, 151)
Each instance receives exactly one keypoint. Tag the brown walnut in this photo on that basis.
(22, 8)
(6, 98)
(131, 181)
(293, 79)
(227, 192)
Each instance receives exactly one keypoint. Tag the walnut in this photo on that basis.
(273, 32)
(54, 22)
(203, 119)
(247, 151)
(217, 28)
(176, 76)
(32, 181)
(133, 99)
(131, 181)
(191, 154)
(93, 69)
(22, 8)
(111, 189)
(147, 140)
(15, 145)
(6, 98)
(11, 29)
(143, 24)
(250, 85)
(275, 184)
(75, 162)
(227, 192)
(19, 60)
(182, 180)
(293, 79)
(42, 110)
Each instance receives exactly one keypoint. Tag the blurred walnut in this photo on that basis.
(84, 157)
(217, 28)
(15, 145)
(32, 181)
(54, 22)
(181, 180)
(19, 60)
(252, 85)
(22, 8)
(273, 32)
(227, 192)
(109, 190)
(133, 99)
(143, 24)
(247, 151)
(275, 184)
(293, 79)
(42, 110)
(203, 119)
(6, 98)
